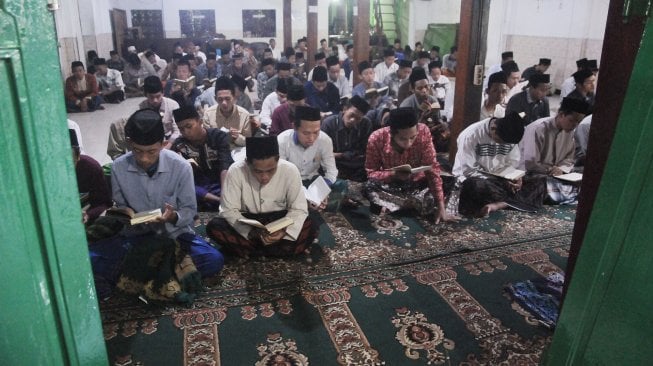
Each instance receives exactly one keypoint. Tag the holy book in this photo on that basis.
(409, 169)
(508, 172)
(135, 218)
(317, 191)
(570, 177)
(272, 227)
(185, 85)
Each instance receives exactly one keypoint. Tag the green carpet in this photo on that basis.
(398, 291)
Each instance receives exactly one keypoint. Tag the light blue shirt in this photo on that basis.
(171, 183)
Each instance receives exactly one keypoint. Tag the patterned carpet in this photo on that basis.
(374, 291)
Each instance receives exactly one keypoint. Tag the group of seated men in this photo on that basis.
(170, 148)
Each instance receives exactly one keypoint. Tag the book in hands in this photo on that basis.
(134, 218)
(570, 177)
(272, 227)
(185, 85)
(508, 172)
(317, 191)
(408, 169)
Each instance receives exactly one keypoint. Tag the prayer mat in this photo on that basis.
(391, 290)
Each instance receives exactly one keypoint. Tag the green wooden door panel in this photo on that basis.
(48, 304)
(606, 318)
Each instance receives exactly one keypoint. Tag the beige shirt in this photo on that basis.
(238, 119)
(545, 146)
(243, 193)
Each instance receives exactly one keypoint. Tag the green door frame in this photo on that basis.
(606, 318)
(50, 312)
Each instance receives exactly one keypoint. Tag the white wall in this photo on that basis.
(433, 11)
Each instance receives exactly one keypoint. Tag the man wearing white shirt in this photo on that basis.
(387, 67)
(276, 52)
(439, 83)
(337, 76)
(308, 147)
(272, 101)
(505, 57)
(112, 88)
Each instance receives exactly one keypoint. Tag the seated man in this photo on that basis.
(117, 145)
(497, 89)
(173, 90)
(533, 100)
(349, 131)
(540, 68)
(337, 76)
(581, 138)
(321, 94)
(112, 88)
(439, 83)
(268, 71)
(207, 150)
(489, 146)
(367, 80)
(585, 83)
(397, 78)
(283, 116)
(81, 90)
(283, 72)
(404, 142)
(226, 114)
(242, 99)
(265, 188)
(386, 67)
(308, 147)
(272, 101)
(548, 149)
(90, 182)
(154, 99)
(421, 101)
(151, 177)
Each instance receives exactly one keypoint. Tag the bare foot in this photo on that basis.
(485, 211)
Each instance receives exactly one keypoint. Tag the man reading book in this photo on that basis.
(264, 188)
(404, 141)
(548, 149)
(490, 146)
(151, 177)
(208, 152)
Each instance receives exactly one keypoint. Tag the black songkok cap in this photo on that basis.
(299, 55)
(99, 61)
(581, 75)
(417, 74)
(185, 112)
(152, 85)
(296, 92)
(510, 66)
(497, 77)
(332, 61)
(592, 65)
(388, 52)
(224, 83)
(574, 105)
(405, 63)
(237, 56)
(424, 54)
(239, 81)
(319, 73)
(364, 66)
(211, 56)
(435, 48)
(306, 113)
(510, 128)
(75, 64)
(282, 86)
(267, 61)
(144, 127)
(507, 54)
(319, 56)
(545, 61)
(73, 138)
(359, 103)
(538, 78)
(283, 66)
(260, 148)
(582, 63)
(402, 118)
(434, 64)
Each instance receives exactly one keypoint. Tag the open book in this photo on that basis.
(570, 177)
(408, 169)
(317, 191)
(508, 172)
(374, 92)
(272, 227)
(185, 85)
(135, 218)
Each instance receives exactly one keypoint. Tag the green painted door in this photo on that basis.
(48, 308)
(607, 317)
